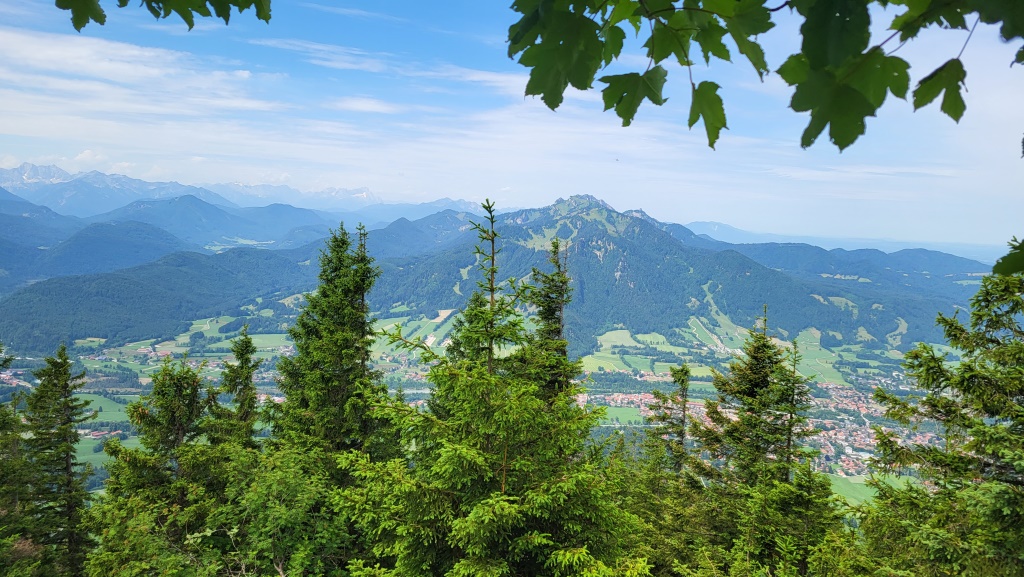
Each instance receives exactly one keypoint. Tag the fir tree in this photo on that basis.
(237, 425)
(669, 414)
(547, 350)
(966, 517)
(489, 327)
(329, 385)
(756, 503)
(158, 497)
(759, 413)
(19, 555)
(58, 495)
(331, 395)
(501, 484)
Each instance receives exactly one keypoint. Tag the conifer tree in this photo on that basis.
(500, 484)
(58, 495)
(19, 556)
(669, 414)
(331, 391)
(329, 385)
(759, 414)
(158, 496)
(547, 351)
(966, 517)
(754, 505)
(489, 326)
(237, 425)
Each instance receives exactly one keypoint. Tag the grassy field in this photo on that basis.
(208, 327)
(85, 450)
(602, 360)
(270, 341)
(91, 342)
(108, 409)
(817, 362)
(620, 338)
(701, 333)
(853, 489)
(622, 415)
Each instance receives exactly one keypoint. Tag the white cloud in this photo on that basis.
(71, 74)
(330, 55)
(511, 84)
(352, 12)
(348, 58)
(89, 157)
(363, 104)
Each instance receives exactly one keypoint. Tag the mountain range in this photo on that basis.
(629, 271)
(719, 231)
(90, 194)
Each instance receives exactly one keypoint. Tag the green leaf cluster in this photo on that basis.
(838, 77)
(85, 11)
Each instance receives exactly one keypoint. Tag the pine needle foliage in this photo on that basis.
(754, 425)
(733, 489)
(329, 385)
(237, 425)
(500, 482)
(966, 517)
(19, 556)
(158, 496)
(58, 496)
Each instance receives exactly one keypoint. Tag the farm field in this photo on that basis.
(622, 415)
(87, 454)
(108, 410)
(855, 489)
(702, 343)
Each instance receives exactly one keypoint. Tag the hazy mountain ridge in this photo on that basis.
(28, 224)
(629, 271)
(248, 195)
(90, 193)
(109, 246)
(723, 232)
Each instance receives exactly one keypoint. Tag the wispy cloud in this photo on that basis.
(80, 74)
(363, 104)
(425, 121)
(331, 55)
(348, 58)
(352, 12)
(502, 82)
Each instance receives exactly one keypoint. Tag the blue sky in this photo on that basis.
(419, 100)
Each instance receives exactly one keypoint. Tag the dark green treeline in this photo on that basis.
(500, 474)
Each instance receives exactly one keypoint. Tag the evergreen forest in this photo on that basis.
(503, 471)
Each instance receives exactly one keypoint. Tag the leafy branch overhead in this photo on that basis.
(839, 77)
(86, 11)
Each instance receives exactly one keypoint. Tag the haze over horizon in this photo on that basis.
(416, 104)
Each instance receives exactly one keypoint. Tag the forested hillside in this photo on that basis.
(150, 300)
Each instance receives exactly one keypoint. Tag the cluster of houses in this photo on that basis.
(90, 434)
(15, 378)
(846, 442)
